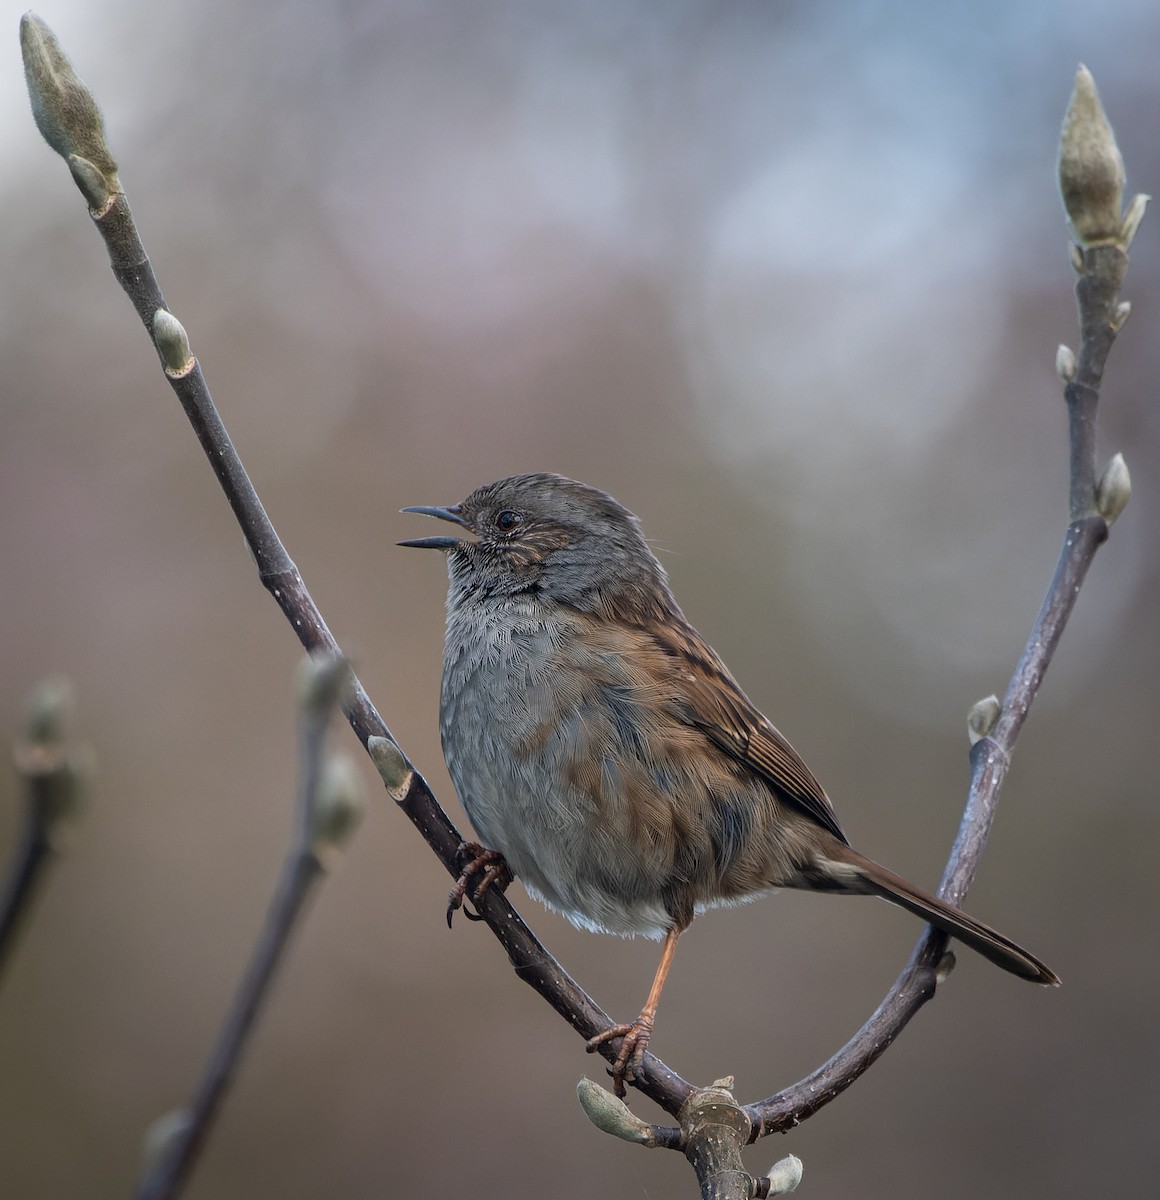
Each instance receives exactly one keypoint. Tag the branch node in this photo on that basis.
(715, 1130)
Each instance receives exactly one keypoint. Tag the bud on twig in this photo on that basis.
(56, 773)
(1065, 365)
(982, 717)
(1114, 489)
(391, 764)
(339, 804)
(782, 1177)
(172, 344)
(611, 1115)
(1132, 219)
(1091, 171)
(48, 710)
(161, 1136)
(322, 678)
(94, 186)
(64, 109)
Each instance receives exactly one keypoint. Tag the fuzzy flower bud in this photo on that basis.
(1114, 489)
(1091, 171)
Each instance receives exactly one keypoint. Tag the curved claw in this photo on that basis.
(629, 1061)
(475, 859)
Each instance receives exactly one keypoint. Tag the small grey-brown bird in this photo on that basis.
(603, 749)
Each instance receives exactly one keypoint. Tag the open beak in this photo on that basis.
(454, 514)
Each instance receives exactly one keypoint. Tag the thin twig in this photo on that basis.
(52, 776)
(24, 877)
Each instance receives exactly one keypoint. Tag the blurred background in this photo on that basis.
(788, 280)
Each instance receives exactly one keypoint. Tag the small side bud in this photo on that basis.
(48, 710)
(1114, 489)
(982, 717)
(172, 344)
(93, 185)
(322, 681)
(782, 1178)
(611, 1115)
(1065, 365)
(391, 764)
(944, 967)
(64, 109)
(1091, 171)
(160, 1138)
(1132, 219)
(339, 805)
(55, 773)
(1121, 315)
(1075, 257)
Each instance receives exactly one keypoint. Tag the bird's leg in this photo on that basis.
(636, 1036)
(476, 860)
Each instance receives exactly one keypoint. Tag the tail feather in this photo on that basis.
(861, 874)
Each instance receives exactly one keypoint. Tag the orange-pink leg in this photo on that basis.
(636, 1036)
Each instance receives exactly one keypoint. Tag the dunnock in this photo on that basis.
(601, 747)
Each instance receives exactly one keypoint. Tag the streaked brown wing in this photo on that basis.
(717, 706)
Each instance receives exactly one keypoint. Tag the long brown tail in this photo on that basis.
(857, 870)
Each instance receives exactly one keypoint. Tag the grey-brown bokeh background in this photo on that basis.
(785, 278)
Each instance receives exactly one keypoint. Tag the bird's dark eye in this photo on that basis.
(507, 520)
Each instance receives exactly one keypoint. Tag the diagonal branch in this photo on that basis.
(50, 75)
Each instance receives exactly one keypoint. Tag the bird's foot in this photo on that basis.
(630, 1057)
(474, 860)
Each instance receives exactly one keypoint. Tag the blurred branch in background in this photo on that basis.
(328, 808)
(54, 774)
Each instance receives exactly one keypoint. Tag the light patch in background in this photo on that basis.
(516, 205)
(848, 326)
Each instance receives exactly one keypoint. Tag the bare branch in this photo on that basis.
(54, 776)
(281, 578)
(326, 812)
(1102, 266)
